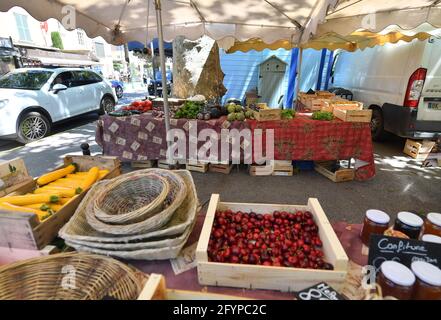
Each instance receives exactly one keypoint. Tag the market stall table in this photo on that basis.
(142, 137)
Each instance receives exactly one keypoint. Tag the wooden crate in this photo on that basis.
(270, 277)
(198, 167)
(418, 150)
(156, 289)
(220, 168)
(260, 170)
(282, 168)
(268, 114)
(330, 105)
(13, 175)
(23, 230)
(340, 175)
(287, 172)
(353, 115)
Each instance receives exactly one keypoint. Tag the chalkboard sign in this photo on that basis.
(384, 248)
(321, 291)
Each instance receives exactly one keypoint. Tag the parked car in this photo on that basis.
(33, 99)
(151, 88)
(119, 88)
(400, 82)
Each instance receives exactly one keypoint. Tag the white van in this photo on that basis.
(400, 82)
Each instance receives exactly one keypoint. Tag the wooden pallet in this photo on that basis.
(258, 170)
(143, 164)
(353, 115)
(340, 175)
(287, 172)
(198, 167)
(156, 289)
(418, 150)
(23, 230)
(270, 277)
(220, 168)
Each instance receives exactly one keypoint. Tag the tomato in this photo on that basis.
(136, 104)
(148, 104)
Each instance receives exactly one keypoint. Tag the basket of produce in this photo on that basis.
(70, 276)
(162, 243)
(78, 230)
(173, 200)
(131, 199)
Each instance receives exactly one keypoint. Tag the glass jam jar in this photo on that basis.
(375, 222)
(432, 225)
(431, 238)
(396, 280)
(428, 281)
(409, 223)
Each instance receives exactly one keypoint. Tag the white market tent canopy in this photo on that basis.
(120, 21)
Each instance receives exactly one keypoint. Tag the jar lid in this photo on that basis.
(427, 272)
(434, 218)
(431, 238)
(377, 216)
(398, 273)
(411, 219)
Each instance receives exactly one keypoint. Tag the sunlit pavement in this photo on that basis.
(401, 184)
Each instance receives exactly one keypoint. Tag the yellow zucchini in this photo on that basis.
(39, 206)
(10, 207)
(90, 179)
(65, 183)
(56, 207)
(55, 175)
(61, 191)
(65, 200)
(103, 173)
(75, 176)
(31, 199)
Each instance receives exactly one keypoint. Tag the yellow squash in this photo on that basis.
(10, 207)
(90, 179)
(55, 175)
(56, 207)
(65, 200)
(39, 206)
(61, 191)
(30, 199)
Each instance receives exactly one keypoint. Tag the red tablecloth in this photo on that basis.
(142, 137)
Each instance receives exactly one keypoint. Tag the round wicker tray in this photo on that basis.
(127, 200)
(70, 276)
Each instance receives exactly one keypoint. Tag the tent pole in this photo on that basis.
(299, 73)
(163, 71)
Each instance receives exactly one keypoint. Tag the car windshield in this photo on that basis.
(27, 80)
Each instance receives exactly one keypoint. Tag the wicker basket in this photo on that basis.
(164, 253)
(79, 231)
(70, 276)
(131, 199)
(175, 197)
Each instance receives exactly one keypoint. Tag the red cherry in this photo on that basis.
(267, 263)
(234, 259)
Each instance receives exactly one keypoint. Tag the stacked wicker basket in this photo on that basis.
(146, 215)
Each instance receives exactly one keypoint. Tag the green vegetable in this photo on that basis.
(322, 115)
(288, 114)
(189, 110)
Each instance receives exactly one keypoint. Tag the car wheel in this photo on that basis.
(107, 105)
(33, 126)
(119, 92)
(377, 125)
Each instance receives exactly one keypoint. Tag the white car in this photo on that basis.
(33, 99)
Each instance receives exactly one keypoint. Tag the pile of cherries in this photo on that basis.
(277, 239)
